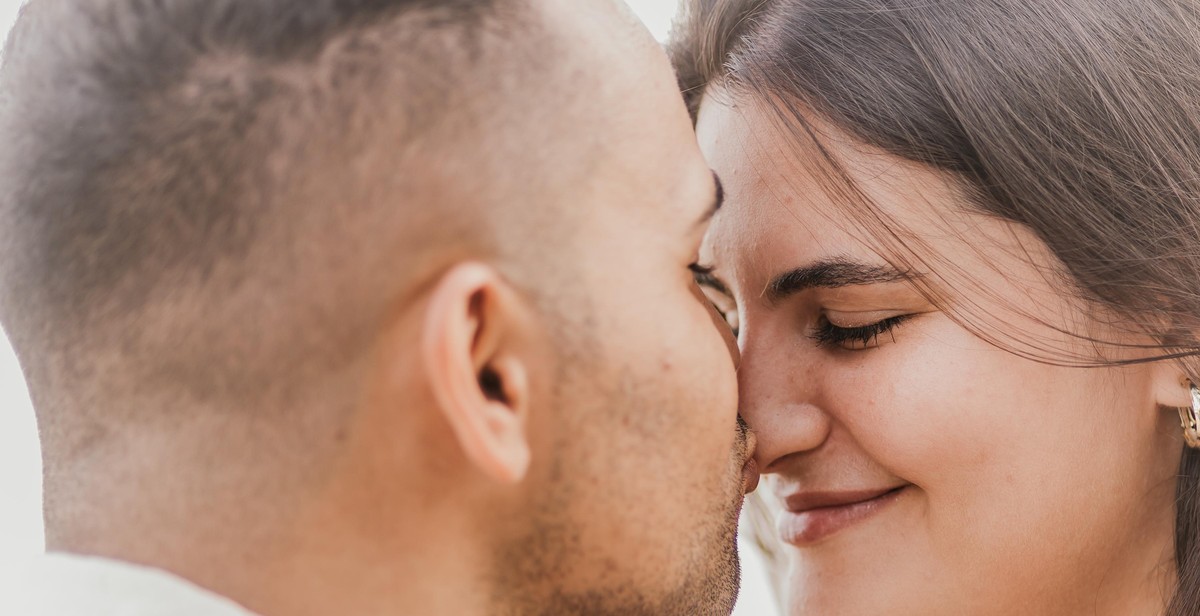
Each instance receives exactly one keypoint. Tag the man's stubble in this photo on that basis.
(533, 568)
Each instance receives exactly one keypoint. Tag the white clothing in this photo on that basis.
(69, 585)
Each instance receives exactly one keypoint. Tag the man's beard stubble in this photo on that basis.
(530, 568)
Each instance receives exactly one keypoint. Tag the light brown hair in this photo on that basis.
(1077, 119)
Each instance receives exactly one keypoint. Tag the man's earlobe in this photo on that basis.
(471, 347)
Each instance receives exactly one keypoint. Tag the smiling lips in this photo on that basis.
(812, 516)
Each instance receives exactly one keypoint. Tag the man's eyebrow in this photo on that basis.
(718, 200)
(831, 274)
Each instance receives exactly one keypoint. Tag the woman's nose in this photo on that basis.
(777, 389)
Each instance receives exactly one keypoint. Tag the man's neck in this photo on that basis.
(431, 568)
(318, 570)
(296, 537)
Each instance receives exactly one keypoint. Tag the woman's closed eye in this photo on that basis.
(857, 337)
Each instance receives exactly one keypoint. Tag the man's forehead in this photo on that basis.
(685, 196)
(627, 113)
(597, 26)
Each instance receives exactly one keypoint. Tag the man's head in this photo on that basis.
(411, 273)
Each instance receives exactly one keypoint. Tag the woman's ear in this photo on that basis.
(1172, 385)
(472, 348)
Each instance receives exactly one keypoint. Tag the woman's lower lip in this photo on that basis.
(809, 527)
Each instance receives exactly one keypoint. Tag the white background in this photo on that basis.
(20, 461)
(21, 532)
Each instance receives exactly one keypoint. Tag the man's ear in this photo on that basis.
(471, 348)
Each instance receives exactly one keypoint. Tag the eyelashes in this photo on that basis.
(703, 276)
(825, 334)
(855, 338)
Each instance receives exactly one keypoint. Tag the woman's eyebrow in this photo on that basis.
(831, 274)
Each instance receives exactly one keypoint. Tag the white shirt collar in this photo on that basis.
(70, 585)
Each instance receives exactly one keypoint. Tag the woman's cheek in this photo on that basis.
(929, 407)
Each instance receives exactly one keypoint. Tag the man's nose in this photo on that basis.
(778, 389)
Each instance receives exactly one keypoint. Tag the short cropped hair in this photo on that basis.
(151, 146)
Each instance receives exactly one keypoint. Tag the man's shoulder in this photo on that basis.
(71, 585)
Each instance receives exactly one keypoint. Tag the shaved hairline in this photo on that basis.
(295, 296)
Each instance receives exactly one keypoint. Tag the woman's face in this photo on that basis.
(923, 470)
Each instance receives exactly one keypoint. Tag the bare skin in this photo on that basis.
(543, 418)
(992, 483)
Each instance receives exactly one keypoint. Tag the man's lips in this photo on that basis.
(812, 516)
(750, 476)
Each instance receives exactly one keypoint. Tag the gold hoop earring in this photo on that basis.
(1189, 418)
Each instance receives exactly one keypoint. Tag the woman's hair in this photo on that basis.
(1077, 119)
